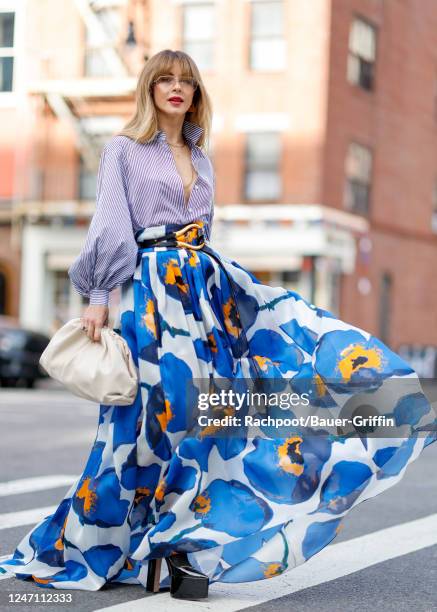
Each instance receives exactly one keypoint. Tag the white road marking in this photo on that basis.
(40, 397)
(40, 483)
(25, 517)
(334, 561)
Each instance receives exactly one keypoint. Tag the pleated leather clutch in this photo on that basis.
(102, 372)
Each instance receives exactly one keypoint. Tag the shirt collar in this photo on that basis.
(191, 131)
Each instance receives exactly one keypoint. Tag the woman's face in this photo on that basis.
(173, 96)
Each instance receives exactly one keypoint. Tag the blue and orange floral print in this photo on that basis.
(243, 507)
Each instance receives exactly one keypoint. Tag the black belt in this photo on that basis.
(172, 239)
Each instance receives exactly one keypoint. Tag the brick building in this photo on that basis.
(323, 143)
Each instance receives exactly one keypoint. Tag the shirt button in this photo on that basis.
(196, 186)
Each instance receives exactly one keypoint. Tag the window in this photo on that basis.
(262, 178)
(291, 279)
(434, 210)
(87, 182)
(362, 54)
(96, 51)
(7, 22)
(61, 295)
(199, 32)
(267, 42)
(65, 297)
(385, 307)
(97, 130)
(358, 179)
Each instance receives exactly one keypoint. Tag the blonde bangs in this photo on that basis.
(144, 123)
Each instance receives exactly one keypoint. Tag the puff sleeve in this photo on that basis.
(108, 257)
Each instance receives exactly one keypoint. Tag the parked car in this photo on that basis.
(20, 350)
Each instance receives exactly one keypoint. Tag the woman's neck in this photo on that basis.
(172, 129)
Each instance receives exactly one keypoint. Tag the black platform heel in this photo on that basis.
(186, 581)
(153, 574)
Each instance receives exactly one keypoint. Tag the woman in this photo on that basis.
(218, 505)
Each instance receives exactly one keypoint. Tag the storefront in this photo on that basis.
(305, 248)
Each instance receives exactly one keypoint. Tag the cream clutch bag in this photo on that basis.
(102, 372)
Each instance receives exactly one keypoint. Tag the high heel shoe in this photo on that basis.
(186, 581)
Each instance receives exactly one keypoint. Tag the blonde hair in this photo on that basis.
(144, 123)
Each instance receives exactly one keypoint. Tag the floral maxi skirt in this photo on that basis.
(244, 507)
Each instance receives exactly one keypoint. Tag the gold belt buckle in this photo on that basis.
(186, 244)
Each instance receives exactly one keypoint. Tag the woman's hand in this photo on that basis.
(94, 318)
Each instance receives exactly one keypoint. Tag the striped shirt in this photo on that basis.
(138, 186)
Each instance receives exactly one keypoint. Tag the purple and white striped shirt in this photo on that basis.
(138, 186)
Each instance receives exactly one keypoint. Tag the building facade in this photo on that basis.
(323, 144)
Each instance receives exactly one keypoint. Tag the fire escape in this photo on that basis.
(116, 44)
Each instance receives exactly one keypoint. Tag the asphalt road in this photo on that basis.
(48, 432)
